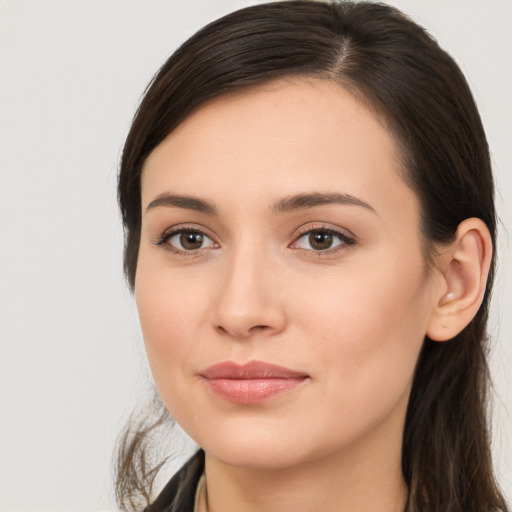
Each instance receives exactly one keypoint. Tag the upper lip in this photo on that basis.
(250, 370)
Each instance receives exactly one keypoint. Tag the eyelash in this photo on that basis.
(164, 238)
(344, 239)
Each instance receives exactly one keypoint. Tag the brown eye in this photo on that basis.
(189, 240)
(319, 240)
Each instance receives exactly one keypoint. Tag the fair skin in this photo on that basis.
(336, 289)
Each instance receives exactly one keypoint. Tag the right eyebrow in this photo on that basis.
(179, 201)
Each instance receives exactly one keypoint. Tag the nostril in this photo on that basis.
(259, 328)
(255, 329)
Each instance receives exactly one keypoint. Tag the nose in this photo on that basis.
(249, 299)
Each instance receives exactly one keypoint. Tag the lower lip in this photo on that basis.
(252, 391)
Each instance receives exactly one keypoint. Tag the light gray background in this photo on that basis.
(71, 364)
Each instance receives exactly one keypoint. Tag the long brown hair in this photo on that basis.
(398, 70)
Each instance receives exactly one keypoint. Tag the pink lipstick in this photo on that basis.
(251, 383)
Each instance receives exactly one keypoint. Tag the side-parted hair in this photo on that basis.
(399, 71)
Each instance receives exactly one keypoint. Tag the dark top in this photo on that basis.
(180, 492)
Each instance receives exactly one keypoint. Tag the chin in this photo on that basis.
(256, 443)
(261, 446)
(256, 455)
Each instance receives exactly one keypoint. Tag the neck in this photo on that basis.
(366, 477)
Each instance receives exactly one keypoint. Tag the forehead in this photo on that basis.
(287, 136)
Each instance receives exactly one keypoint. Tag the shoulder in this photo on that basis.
(179, 493)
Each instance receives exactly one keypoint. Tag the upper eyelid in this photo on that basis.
(318, 226)
(179, 228)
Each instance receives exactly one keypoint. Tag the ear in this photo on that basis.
(463, 267)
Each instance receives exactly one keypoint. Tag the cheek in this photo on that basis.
(369, 328)
(170, 312)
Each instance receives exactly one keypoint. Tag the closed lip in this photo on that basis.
(251, 370)
(251, 383)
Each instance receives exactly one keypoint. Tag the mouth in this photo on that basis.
(251, 383)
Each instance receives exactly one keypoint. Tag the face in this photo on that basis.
(281, 286)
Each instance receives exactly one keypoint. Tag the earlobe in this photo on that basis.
(464, 268)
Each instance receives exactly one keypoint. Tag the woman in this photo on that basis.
(308, 203)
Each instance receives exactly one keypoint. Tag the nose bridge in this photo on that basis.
(248, 299)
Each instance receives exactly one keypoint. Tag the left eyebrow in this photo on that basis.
(304, 201)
